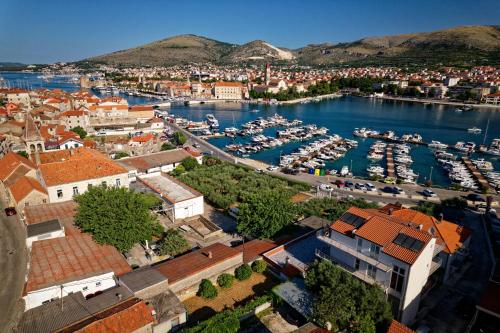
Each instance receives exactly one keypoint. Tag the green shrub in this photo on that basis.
(225, 280)
(259, 266)
(189, 163)
(179, 170)
(207, 289)
(243, 272)
(167, 146)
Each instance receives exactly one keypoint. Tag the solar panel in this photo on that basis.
(409, 242)
(353, 220)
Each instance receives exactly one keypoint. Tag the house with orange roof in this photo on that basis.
(27, 191)
(227, 90)
(141, 113)
(66, 173)
(17, 96)
(74, 118)
(108, 110)
(397, 249)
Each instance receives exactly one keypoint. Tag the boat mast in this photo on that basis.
(486, 131)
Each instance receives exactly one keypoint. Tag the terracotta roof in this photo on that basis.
(66, 259)
(228, 84)
(145, 162)
(186, 265)
(72, 113)
(255, 248)
(24, 186)
(10, 162)
(62, 167)
(108, 107)
(379, 231)
(128, 320)
(397, 327)
(402, 253)
(143, 138)
(31, 132)
(136, 108)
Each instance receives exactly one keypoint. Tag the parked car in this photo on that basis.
(272, 168)
(360, 186)
(196, 145)
(428, 193)
(349, 184)
(370, 187)
(290, 171)
(475, 197)
(9, 211)
(388, 189)
(398, 190)
(339, 183)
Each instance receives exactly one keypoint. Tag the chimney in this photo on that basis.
(441, 217)
(209, 254)
(287, 260)
(119, 296)
(71, 152)
(391, 210)
(420, 226)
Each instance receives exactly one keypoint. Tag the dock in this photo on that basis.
(390, 162)
(483, 183)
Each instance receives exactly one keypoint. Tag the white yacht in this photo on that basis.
(474, 130)
(437, 145)
(212, 121)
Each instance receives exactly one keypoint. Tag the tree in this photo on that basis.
(179, 170)
(225, 280)
(243, 272)
(263, 214)
(80, 131)
(23, 154)
(150, 200)
(179, 139)
(120, 154)
(116, 216)
(190, 163)
(346, 302)
(173, 243)
(166, 146)
(207, 289)
(259, 266)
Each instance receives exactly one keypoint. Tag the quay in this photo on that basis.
(390, 162)
(483, 183)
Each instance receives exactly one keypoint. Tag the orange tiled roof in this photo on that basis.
(24, 186)
(397, 327)
(128, 320)
(10, 162)
(65, 259)
(228, 84)
(72, 113)
(62, 167)
(135, 108)
(143, 138)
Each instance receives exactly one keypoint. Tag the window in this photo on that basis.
(360, 244)
(118, 183)
(59, 194)
(374, 250)
(372, 271)
(75, 190)
(97, 284)
(397, 278)
(85, 288)
(357, 263)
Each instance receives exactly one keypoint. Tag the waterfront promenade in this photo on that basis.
(435, 101)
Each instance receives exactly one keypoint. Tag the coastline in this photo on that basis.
(433, 101)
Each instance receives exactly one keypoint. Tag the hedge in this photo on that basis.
(243, 272)
(225, 280)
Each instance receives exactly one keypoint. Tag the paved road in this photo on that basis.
(12, 269)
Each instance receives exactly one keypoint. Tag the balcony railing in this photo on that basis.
(435, 264)
(362, 275)
(360, 255)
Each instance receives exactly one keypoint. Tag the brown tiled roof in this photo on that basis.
(66, 259)
(228, 84)
(254, 248)
(196, 261)
(402, 253)
(379, 231)
(397, 327)
(145, 162)
(128, 320)
(135, 108)
(10, 162)
(24, 186)
(83, 165)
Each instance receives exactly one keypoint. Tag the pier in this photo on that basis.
(483, 183)
(390, 162)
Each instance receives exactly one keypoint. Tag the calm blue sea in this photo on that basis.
(341, 116)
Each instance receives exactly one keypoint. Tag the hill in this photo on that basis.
(457, 46)
(468, 45)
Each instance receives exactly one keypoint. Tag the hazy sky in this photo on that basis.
(44, 31)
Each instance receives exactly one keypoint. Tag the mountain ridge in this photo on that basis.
(459, 45)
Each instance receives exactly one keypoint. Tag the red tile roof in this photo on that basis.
(128, 320)
(24, 186)
(254, 248)
(397, 327)
(66, 259)
(10, 162)
(197, 261)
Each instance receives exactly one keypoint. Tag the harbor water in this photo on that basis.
(341, 116)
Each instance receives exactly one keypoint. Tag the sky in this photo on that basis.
(36, 31)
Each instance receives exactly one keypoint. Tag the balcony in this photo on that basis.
(360, 255)
(435, 264)
(362, 275)
(437, 249)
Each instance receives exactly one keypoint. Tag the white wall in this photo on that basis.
(36, 298)
(188, 208)
(67, 189)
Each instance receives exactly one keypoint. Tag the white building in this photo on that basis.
(397, 256)
(228, 90)
(181, 200)
(64, 265)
